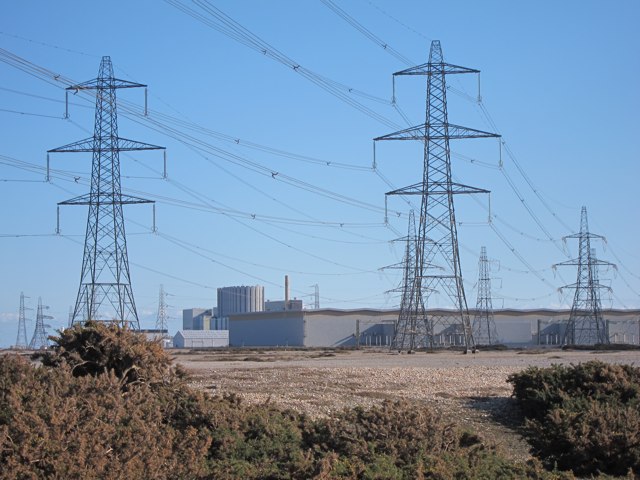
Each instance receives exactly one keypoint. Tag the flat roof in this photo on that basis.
(432, 311)
(203, 333)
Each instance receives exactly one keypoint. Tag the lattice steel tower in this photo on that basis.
(586, 326)
(484, 325)
(437, 266)
(105, 292)
(40, 339)
(409, 333)
(21, 341)
(162, 319)
(316, 296)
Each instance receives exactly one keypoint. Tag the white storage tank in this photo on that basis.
(240, 299)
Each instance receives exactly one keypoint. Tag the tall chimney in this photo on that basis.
(286, 292)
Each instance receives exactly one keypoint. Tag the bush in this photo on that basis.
(107, 404)
(402, 440)
(56, 425)
(582, 417)
(97, 347)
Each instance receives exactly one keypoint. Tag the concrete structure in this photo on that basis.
(286, 304)
(197, 318)
(312, 328)
(279, 305)
(201, 338)
(242, 299)
(338, 328)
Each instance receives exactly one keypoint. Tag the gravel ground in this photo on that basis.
(470, 390)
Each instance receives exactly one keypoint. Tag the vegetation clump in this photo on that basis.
(584, 418)
(107, 404)
(97, 347)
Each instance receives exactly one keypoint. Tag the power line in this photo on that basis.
(30, 114)
(354, 23)
(215, 18)
(57, 47)
(384, 12)
(198, 250)
(494, 217)
(150, 269)
(366, 32)
(25, 65)
(376, 40)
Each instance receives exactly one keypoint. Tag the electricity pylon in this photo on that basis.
(105, 292)
(162, 319)
(21, 341)
(484, 325)
(40, 339)
(586, 326)
(437, 237)
(316, 296)
(411, 329)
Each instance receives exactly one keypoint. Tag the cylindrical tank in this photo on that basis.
(241, 299)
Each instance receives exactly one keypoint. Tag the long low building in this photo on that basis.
(201, 338)
(341, 328)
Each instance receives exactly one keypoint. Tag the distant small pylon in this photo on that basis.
(484, 325)
(412, 329)
(316, 296)
(586, 325)
(162, 319)
(40, 339)
(21, 341)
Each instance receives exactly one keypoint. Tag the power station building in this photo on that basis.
(369, 327)
(198, 319)
(242, 299)
(250, 321)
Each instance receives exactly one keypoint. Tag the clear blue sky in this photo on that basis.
(558, 79)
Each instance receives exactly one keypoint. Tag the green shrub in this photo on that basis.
(105, 403)
(582, 417)
(60, 426)
(402, 440)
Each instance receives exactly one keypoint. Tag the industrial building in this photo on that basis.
(250, 321)
(155, 334)
(344, 328)
(312, 328)
(240, 299)
(198, 319)
(201, 339)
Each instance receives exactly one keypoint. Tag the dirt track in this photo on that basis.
(470, 390)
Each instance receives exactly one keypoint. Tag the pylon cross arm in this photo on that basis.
(85, 145)
(584, 235)
(124, 144)
(436, 69)
(105, 199)
(121, 145)
(437, 131)
(97, 83)
(436, 188)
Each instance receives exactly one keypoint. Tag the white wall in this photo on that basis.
(208, 339)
